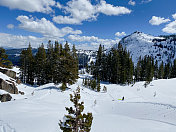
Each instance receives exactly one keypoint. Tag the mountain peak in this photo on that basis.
(141, 44)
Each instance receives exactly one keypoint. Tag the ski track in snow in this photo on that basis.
(168, 110)
(162, 104)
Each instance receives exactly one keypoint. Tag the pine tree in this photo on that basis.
(167, 70)
(98, 63)
(138, 70)
(23, 65)
(69, 66)
(161, 71)
(40, 65)
(75, 120)
(98, 85)
(4, 62)
(173, 70)
(156, 70)
(49, 71)
(27, 66)
(75, 67)
(30, 66)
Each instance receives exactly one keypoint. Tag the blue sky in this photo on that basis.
(85, 23)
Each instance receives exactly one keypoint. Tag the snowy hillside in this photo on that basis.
(140, 44)
(151, 109)
(86, 57)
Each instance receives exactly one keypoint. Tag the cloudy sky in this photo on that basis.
(85, 23)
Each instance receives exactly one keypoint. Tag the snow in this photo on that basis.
(141, 44)
(150, 109)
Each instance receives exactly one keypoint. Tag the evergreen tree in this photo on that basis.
(138, 70)
(173, 70)
(40, 65)
(167, 70)
(69, 63)
(75, 120)
(156, 70)
(115, 67)
(30, 66)
(23, 65)
(161, 71)
(98, 85)
(27, 66)
(4, 62)
(49, 71)
(98, 63)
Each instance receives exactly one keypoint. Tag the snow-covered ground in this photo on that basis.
(151, 109)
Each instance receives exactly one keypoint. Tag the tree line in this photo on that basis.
(116, 66)
(56, 64)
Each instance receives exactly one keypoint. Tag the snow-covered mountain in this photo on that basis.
(86, 56)
(141, 44)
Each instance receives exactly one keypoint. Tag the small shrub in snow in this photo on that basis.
(75, 121)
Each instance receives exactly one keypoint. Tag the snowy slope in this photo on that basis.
(140, 44)
(151, 109)
(86, 56)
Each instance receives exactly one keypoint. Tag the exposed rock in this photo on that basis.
(5, 97)
(8, 86)
(18, 81)
(22, 93)
(8, 72)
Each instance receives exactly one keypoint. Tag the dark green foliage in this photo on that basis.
(115, 67)
(161, 71)
(173, 70)
(75, 120)
(144, 71)
(156, 69)
(40, 65)
(54, 65)
(92, 84)
(27, 66)
(167, 71)
(4, 62)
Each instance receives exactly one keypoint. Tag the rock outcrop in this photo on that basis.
(8, 72)
(8, 86)
(5, 97)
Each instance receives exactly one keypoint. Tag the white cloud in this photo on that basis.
(83, 10)
(158, 20)
(10, 26)
(131, 2)
(82, 38)
(85, 46)
(29, 5)
(118, 34)
(44, 27)
(93, 41)
(109, 9)
(174, 16)
(146, 1)
(19, 41)
(170, 28)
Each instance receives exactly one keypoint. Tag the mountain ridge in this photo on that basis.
(141, 44)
